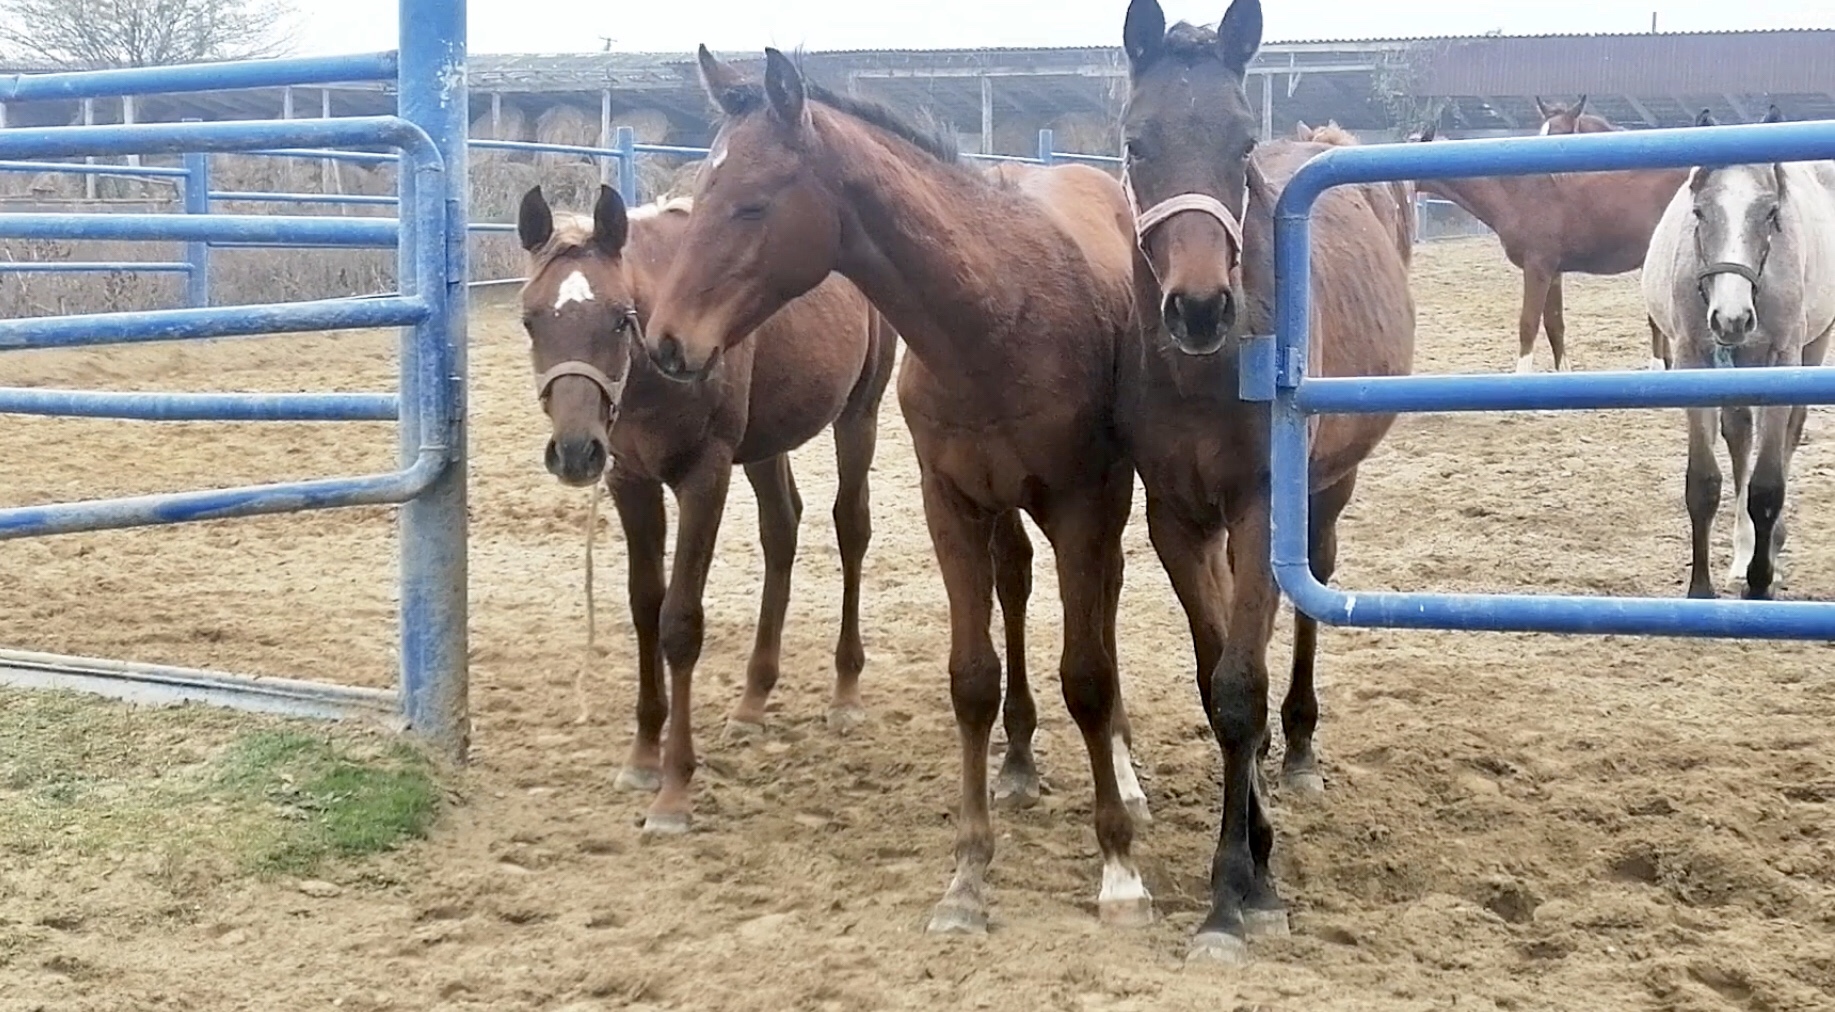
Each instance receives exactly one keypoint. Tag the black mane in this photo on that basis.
(1190, 44)
(749, 98)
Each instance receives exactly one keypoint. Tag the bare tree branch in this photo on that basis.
(80, 34)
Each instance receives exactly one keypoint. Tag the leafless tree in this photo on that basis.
(82, 34)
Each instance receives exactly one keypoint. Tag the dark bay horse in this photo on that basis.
(1587, 222)
(823, 361)
(1012, 292)
(1203, 279)
(1741, 272)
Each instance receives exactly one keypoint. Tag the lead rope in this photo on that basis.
(592, 617)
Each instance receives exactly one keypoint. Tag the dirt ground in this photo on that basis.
(1512, 821)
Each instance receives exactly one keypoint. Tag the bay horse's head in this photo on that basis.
(1737, 210)
(767, 222)
(1188, 130)
(581, 317)
(1558, 119)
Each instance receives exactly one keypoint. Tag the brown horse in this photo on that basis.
(1204, 278)
(1589, 222)
(1395, 208)
(1011, 290)
(1571, 119)
(823, 361)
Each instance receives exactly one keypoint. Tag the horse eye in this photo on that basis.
(1135, 149)
(750, 212)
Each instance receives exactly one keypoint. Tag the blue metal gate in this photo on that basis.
(1275, 370)
(429, 131)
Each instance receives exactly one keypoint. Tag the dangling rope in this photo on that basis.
(592, 618)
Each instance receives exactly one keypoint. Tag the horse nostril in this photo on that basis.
(551, 458)
(670, 356)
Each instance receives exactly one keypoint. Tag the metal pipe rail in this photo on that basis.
(1274, 369)
(201, 407)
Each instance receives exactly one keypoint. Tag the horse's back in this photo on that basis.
(1816, 182)
(1087, 204)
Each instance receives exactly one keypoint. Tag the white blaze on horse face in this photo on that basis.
(1734, 195)
(573, 288)
(1545, 126)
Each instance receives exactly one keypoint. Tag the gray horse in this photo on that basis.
(1741, 272)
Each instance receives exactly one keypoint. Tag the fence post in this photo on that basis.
(434, 567)
(197, 201)
(1046, 145)
(627, 164)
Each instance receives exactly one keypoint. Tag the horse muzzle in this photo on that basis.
(577, 461)
(1199, 323)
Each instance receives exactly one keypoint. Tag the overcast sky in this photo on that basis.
(501, 26)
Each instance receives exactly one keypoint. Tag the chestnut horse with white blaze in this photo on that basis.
(823, 361)
(1011, 289)
(1204, 280)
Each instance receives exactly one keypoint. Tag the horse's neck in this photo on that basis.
(1491, 201)
(941, 253)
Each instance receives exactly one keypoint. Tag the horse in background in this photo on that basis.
(1550, 224)
(1741, 272)
(1397, 211)
(823, 361)
(1558, 119)
(1204, 194)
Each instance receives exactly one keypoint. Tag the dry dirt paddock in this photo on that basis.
(1513, 822)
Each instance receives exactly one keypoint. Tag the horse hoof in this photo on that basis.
(957, 919)
(1132, 912)
(1139, 811)
(1656, 365)
(638, 781)
(845, 720)
(1265, 923)
(1303, 782)
(1016, 790)
(743, 730)
(1217, 948)
(659, 824)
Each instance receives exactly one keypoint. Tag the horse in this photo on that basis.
(1397, 211)
(1586, 222)
(822, 362)
(1203, 279)
(1741, 272)
(1011, 290)
(1559, 119)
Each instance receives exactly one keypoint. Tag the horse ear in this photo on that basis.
(1143, 33)
(611, 226)
(1705, 118)
(1302, 132)
(1773, 114)
(1580, 106)
(723, 83)
(534, 222)
(1542, 108)
(784, 87)
(1239, 36)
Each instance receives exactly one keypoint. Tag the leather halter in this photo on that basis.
(1729, 267)
(1203, 203)
(613, 389)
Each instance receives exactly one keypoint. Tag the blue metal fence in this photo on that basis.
(1274, 369)
(429, 135)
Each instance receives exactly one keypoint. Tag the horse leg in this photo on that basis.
(640, 512)
(1121, 736)
(856, 441)
(1081, 529)
(1017, 783)
(1192, 558)
(1659, 348)
(959, 535)
(1244, 899)
(700, 502)
(1555, 322)
(1300, 710)
(1778, 426)
(1536, 281)
(1736, 431)
(780, 513)
(1702, 492)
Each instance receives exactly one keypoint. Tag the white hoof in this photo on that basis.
(638, 781)
(1216, 948)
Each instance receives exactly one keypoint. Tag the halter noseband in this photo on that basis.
(1729, 267)
(1203, 203)
(613, 389)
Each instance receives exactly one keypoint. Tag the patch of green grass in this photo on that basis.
(330, 799)
(194, 795)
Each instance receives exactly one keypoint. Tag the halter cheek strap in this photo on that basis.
(1146, 221)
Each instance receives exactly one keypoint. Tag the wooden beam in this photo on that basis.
(1642, 110)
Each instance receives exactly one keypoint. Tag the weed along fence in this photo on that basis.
(427, 134)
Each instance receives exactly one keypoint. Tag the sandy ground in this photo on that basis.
(1513, 822)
